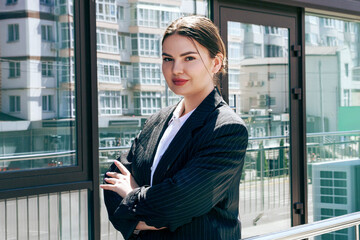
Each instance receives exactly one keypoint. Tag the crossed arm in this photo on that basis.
(191, 192)
(123, 183)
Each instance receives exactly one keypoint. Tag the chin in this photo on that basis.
(178, 90)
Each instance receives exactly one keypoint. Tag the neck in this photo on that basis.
(193, 101)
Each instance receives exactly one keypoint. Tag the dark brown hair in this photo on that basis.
(202, 30)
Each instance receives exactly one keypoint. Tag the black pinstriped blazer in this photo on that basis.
(195, 192)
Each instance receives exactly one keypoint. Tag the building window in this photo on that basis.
(235, 53)
(13, 32)
(122, 43)
(110, 102)
(47, 33)
(123, 72)
(67, 104)
(145, 17)
(67, 35)
(271, 75)
(346, 69)
(168, 17)
(147, 73)
(356, 74)
(350, 27)
(14, 69)
(312, 19)
(346, 98)
(120, 13)
(45, 2)
(108, 71)
(273, 51)
(232, 101)
(234, 79)
(14, 104)
(235, 29)
(11, 2)
(331, 41)
(106, 10)
(329, 22)
(272, 30)
(172, 98)
(125, 102)
(107, 40)
(67, 73)
(47, 69)
(311, 39)
(153, 15)
(47, 103)
(65, 7)
(147, 103)
(147, 45)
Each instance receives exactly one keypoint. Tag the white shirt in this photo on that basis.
(174, 126)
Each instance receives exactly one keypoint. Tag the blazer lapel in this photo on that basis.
(153, 142)
(184, 135)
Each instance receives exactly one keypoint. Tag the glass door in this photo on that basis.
(258, 89)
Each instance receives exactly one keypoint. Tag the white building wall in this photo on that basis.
(15, 48)
(20, 5)
(322, 69)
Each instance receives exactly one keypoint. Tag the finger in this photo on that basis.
(121, 167)
(113, 174)
(110, 180)
(108, 187)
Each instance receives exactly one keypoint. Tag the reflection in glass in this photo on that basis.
(258, 74)
(37, 114)
(332, 114)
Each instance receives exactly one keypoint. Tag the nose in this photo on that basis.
(177, 68)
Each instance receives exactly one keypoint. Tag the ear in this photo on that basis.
(218, 62)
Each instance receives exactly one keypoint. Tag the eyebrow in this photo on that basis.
(181, 55)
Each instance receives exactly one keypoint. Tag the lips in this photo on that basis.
(179, 81)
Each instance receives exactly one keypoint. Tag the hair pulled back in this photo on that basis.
(202, 30)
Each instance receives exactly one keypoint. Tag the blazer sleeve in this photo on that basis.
(112, 200)
(197, 188)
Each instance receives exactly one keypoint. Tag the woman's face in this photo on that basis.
(188, 70)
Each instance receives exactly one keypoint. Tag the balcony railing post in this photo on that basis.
(357, 232)
(262, 162)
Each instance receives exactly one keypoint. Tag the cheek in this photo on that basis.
(195, 68)
(165, 69)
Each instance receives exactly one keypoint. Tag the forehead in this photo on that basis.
(178, 44)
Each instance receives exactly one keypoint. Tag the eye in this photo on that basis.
(166, 59)
(189, 58)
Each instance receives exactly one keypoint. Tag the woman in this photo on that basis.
(181, 177)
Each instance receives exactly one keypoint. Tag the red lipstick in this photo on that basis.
(179, 81)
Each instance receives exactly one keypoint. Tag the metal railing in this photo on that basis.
(315, 229)
(265, 182)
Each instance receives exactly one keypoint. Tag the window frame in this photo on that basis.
(15, 34)
(113, 98)
(11, 2)
(47, 69)
(84, 175)
(15, 70)
(48, 103)
(47, 33)
(16, 102)
(107, 40)
(111, 66)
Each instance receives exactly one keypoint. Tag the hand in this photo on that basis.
(143, 226)
(122, 183)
